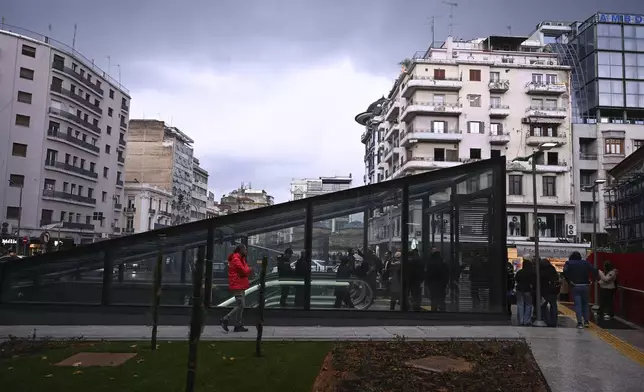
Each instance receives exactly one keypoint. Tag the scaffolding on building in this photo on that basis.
(625, 210)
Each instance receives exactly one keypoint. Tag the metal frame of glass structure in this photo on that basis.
(450, 211)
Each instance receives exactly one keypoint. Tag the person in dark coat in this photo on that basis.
(343, 294)
(285, 271)
(301, 270)
(415, 274)
(510, 286)
(437, 278)
(526, 281)
(550, 288)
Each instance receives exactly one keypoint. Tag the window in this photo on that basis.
(110, 112)
(495, 102)
(475, 100)
(474, 127)
(586, 178)
(634, 64)
(475, 75)
(515, 186)
(614, 146)
(495, 76)
(536, 103)
(109, 130)
(29, 51)
(105, 172)
(495, 153)
(24, 97)
(50, 184)
(26, 73)
(439, 74)
(104, 197)
(19, 150)
(46, 216)
(496, 129)
(90, 192)
(586, 212)
(551, 79)
(611, 93)
(549, 186)
(17, 180)
(111, 93)
(550, 104)
(97, 216)
(609, 65)
(537, 78)
(22, 120)
(552, 158)
(108, 148)
(635, 91)
(637, 144)
(439, 98)
(13, 212)
(438, 126)
(92, 167)
(475, 153)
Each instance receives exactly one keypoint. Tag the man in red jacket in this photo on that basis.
(238, 273)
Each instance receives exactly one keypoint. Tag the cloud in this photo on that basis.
(263, 127)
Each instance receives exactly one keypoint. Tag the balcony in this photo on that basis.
(120, 160)
(414, 135)
(119, 182)
(128, 230)
(72, 117)
(428, 83)
(152, 211)
(66, 167)
(66, 138)
(587, 157)
(499, 138)
(428, 163)
(123, 125)
(116, 230)
(545, 88)
(537, 140)
(52, 194)
(77, 98)
(499, 111)
(129, 210)
(83, 79)
(78, 226)
(118, 206)
(160, 226)
(125, 108)
(546, 112)
(165, 213)
(499, 86)
(552, 167)
(393, 112)
(421, 108)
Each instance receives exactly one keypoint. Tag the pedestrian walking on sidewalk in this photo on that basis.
(550, 287)
(580, 274)
(238, 283)
(525, 280)
(607, 286)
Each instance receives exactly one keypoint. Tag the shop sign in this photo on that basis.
(547, 251)
(9, 241)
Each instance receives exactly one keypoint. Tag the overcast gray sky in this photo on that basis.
(268, 88)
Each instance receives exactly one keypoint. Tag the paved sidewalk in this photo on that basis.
(570, 359)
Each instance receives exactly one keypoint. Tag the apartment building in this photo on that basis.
(162, 156)
(199, 191)
(606, 53)
(246, 198)
(213, 208)
(147, 207)
(64, 125)
(477, 99)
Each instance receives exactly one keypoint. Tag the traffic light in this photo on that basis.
(5, 228)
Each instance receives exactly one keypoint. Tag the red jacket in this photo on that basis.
(238, 272)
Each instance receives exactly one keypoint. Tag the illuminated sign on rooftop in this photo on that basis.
(621, 18)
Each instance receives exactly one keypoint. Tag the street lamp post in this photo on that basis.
(542, 147)
(594, 237)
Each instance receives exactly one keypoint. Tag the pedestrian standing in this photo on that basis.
(607, 286)
(238, 283)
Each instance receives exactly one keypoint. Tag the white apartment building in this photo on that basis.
(147, 208)
(471, 100)
(213, 208)
(63, 124)
(199, 191)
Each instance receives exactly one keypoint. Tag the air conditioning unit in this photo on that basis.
(514, 225)
(105, 235)
(571, 230)
(454, 54)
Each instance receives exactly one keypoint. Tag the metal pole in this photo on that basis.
(18, 240)
(594, 245)
(539, 322)
(262, 304)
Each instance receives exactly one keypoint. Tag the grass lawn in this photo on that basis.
(222, 366)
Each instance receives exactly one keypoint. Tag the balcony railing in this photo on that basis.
(546, 111)
(587, 157)
(545, 88)
(129, 210)
(118, 206)
(67, 196)
(85, 102)
(499, 86)
(165, 213)
(83, 79)
(122, 142)
(70, 116)
(128, 230)
(123, 125)
(119, 182)
(78, 226)
(120, 160)
(588, 219)
(55, 133)
(152, 211)
(124, 108)
(70, 168)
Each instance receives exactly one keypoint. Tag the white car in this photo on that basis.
(316, 266)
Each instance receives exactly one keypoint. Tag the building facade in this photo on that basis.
(470, 100)
(246, 198)
(147, 208)
(64, 125)
(162, 156)
(199, 191)
(606, 53)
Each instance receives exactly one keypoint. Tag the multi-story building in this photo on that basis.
(308, 187)
(246, 198)
(147, 208)
(606, 53)
(477, 99)
(199, 191)
(162, 156)
(213, 208)
(64, 125)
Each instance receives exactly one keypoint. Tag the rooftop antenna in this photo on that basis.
(509, 29)
(451, 14)
(74, 39)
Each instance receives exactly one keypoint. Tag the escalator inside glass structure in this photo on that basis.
(435, 232)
